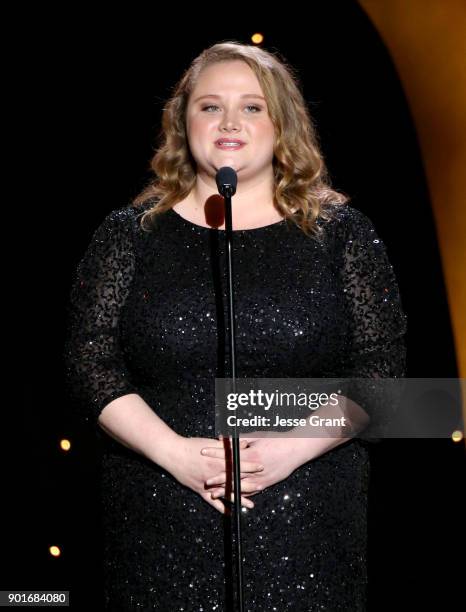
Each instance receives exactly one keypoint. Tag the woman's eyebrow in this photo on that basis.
(217, 96)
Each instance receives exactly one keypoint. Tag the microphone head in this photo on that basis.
(226, 179)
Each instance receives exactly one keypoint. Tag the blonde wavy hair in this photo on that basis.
(302, 185)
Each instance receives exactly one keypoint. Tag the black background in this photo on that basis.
(92, 91)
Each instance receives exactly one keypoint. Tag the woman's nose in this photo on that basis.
(230, 121)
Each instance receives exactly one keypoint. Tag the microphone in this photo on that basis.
(226, 179)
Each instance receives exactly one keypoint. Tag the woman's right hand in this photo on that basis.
(192, 469)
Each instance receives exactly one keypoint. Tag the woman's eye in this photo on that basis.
(249, 106)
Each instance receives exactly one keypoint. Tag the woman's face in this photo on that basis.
(232, 105)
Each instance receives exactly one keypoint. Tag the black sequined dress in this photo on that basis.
(148, 315)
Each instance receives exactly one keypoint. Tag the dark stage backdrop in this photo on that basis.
(94, 88)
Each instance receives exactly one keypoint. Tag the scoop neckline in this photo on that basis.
(235, 231)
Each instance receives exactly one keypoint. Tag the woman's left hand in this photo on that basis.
(280, 455)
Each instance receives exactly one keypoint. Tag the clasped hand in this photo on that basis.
(278, 456)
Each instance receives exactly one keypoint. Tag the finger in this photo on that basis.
(221, 478)
(245, 466)
(247, 487)
(211, 451)
(250, 486)
(217, 504)
(245, 501)
(248, 503)
(242, 444)
(251, 466)
(218, 493)
(219, 451)
(245, 441)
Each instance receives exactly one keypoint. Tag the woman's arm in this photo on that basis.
(377, 324)
(131, 422)
(100, 386)
(95, 369)
(375, 345)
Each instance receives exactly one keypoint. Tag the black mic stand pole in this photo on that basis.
(236, 451)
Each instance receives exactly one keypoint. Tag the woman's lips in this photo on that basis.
(231, 147)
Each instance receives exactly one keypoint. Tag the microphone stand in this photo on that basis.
(236, 451)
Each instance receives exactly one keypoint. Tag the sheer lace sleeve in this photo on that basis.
(95, 370)
(376, 321)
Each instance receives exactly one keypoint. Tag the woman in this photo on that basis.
(315, 297)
